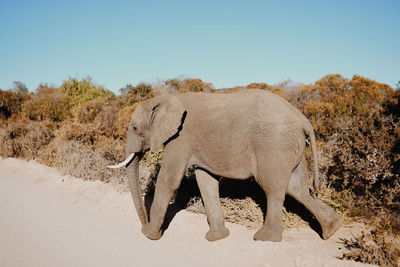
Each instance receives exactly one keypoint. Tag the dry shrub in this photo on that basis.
(73, 130)
(359, 141)
(24, 139)
(84, 148)
(245, 212)
(243, 202)
(79, 150)
(92, 134)
(11, 103)
(122, 122)
(274, 89)
(361, 157)
(334, 97)
(231, 90)
(99, 118)
(106, 121)
(83, 151)
(262, 86)
(47, 104)
(88, 110)
(380, 245)
(195, 205)
(195, 85)
(248, 213)
(187, 85)
(77, 159)
(132, 94)
(242, 211)
(155, 158)
(392, 104)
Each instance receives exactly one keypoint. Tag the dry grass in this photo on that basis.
(242, 211)
(380, 245)
(88, 110)
(25, 139)
(195, 205)
(80, 161)
(246, 212)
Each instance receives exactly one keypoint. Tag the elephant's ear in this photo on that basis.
(165, 119)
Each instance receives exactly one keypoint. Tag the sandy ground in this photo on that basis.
(47, 219)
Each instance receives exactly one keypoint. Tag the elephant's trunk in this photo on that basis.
(134, 185)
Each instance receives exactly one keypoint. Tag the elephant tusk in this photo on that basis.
(124, 163)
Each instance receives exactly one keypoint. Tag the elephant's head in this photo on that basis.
(152, 124)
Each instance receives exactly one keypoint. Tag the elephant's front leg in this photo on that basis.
(209, 189)
(168, 181)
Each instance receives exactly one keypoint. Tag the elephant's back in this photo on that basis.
(241, 105)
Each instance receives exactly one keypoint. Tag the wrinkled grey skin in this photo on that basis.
(251, 133)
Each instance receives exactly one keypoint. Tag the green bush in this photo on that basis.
(82, 91)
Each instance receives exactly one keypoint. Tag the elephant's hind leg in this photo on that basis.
(273, 179)
(209, 189)
(325, 215)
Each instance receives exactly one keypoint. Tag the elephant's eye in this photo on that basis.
(134, 128)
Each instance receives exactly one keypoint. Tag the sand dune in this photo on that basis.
(48, 219)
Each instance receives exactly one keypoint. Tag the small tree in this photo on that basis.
(19, 87)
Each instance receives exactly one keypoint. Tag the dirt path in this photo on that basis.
(47, 219)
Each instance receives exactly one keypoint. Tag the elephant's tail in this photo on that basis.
(311, 135)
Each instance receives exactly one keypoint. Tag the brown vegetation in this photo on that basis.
(10, 103)
(81, 127)
(47, 104)
(379, 245)
(188, 85)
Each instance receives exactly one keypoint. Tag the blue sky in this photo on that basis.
(227, 43)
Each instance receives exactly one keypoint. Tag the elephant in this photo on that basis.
(248, 134)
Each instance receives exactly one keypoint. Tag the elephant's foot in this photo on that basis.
(268, 234)
(151, 234)
(330, 228)
(217, 235)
